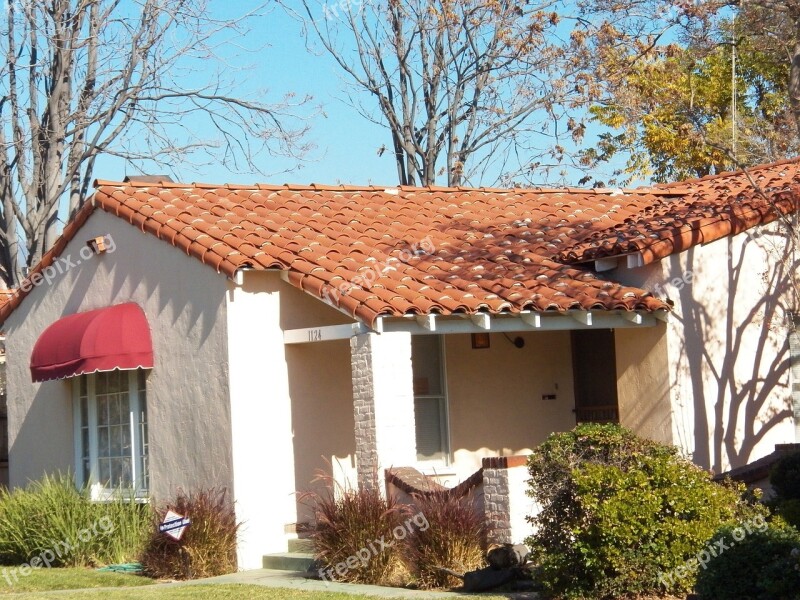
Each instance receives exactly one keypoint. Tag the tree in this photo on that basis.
(672, 108)
(458, 83)
(137, 80)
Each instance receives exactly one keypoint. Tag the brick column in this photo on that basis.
(383, 401)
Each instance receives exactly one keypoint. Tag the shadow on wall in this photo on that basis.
(736, 357)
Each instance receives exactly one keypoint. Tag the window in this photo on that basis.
(111, 444)
(430, 399)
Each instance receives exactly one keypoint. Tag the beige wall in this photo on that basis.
(727, 345)
(187, 390)
(495, 395)
(321, 393)
(643, 381)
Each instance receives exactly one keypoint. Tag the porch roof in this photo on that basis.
(376, 252)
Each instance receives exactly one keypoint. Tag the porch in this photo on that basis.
(442, 396)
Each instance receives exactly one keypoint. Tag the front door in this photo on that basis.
(595, 373)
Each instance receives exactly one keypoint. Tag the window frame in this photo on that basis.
(139, 475)
(444, 411)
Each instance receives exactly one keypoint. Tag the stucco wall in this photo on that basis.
(727, 345)
(292, 408)
(643, 381)
(495, 395)
(187, 390)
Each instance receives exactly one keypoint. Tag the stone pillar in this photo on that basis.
(507, 505)
(497, 505)
(383, 401)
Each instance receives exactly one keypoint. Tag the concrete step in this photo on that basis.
(301, 545)
(288, 561)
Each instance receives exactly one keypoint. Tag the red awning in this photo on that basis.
(116, 337)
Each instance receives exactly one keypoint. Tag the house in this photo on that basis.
(190, 335)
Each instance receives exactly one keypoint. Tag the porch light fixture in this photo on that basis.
(98, 244)
(480, 341)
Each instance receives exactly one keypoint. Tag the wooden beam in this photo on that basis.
(533, 319)
(482, 320)
(427, 322)
(606, 264)
(582, 316)
(632, 316)
(635, 260)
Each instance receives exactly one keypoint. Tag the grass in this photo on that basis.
(79, 582)
(210, 592)
(63, 579)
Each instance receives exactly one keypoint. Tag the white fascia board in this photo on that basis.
(324, 333)
(521, 323)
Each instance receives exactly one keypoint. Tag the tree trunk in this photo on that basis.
(794, 78)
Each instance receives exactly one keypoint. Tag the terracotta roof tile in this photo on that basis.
(483, 249)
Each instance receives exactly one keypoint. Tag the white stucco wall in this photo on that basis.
(727, 345)
(187, 390)
(261, 418)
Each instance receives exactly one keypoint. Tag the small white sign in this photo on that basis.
(174, 525)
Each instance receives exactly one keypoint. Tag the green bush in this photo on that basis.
(446, 532)
(760, 565)
(785, 477)
(618, 513)
(354, 535)
(208, 545)
(52, 523)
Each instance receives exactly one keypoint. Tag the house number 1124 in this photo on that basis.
(315, 335)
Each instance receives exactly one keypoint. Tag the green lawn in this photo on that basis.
(211, 592)
(13, 582)
(49, 580)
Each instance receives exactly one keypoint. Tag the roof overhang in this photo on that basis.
(481, 323)
(115, 337)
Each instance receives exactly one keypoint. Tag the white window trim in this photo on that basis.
(440, 465)
(97, 491)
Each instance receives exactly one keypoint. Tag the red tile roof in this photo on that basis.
(444, 250)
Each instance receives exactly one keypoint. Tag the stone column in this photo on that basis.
(383, 401)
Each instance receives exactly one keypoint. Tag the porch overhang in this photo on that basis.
(481, 323)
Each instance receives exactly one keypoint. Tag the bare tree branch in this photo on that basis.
(140, 80)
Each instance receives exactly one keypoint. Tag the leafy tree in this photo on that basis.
(458, 83)
(137, 80)
(673, 110)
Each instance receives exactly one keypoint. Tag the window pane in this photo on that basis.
(429, 426)
(426, 364)
(116, 447)
(100, 383)
(84, 379)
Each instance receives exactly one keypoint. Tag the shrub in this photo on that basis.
(452, 535)
(785, 477)
(353, 534)
(53, 520)
(618, 512)
(789, 510)
(208, 545)
(762, 566)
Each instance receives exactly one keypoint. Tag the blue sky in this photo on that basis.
(346, 143)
